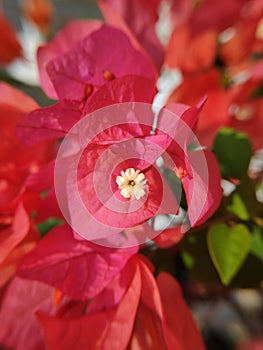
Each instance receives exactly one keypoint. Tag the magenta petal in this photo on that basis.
(169, 236)
(77, 268)
(107, 142)
(42, 180)
(149, 317)
(116, 212)
(100, 164)
(181, 121)
(203, 190)
(108, 328)
(49, 122)
(124, 89)
(113, 293)
(219, 17)
(150, 296)
(49, 208)
(63, 42)
(13, 235)
(20, 329)
(198, 170)
(107, 51)
(142, 26)
(179, 328)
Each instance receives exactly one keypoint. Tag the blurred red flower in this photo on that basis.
(124, 15)
(18, 165)
(134, 311)
(79, 66)
(77, 268)
(10, 47)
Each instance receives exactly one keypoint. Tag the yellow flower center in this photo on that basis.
(132, 183)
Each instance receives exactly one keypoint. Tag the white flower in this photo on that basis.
(132, 183)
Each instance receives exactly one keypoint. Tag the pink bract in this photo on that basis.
(64, 41)
(87, 167)
(78, 268)
(100, 56)
(55, 121)
(19, 327)
(123, 15)
(132, 304)
(18, 164)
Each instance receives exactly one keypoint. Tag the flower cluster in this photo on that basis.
(221, 57)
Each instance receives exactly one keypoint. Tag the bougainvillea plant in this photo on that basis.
(138, 182)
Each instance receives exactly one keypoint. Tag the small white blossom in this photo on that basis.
(132, 183)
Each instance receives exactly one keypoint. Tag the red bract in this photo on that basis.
(124, 141)
(124, 89)
(245, 36)
(78, 268)
(107, 322)
(203, 190)
(18, 165)
(196, 53)
(201, 183)
(95, 172)
(142, 26)
(62, 43)
(13, 230)
(49, 122)
(17, 161)
(130, 140)
(221, 15)
(181, 331)
(132, 305)
(211, 118)
(250, 122)
(56, 120)
(10, 47)
(233, 80)
(19, 327)
(233, 106)
(91, 62)
(17, 99)
(245, 111)
(165, 237)
(128, 145)
(196, 34)
(49, 207)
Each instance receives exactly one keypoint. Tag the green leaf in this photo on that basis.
(243, 202)
(233, 151)
(45, 226)
(228, 248)
(238, 207)
(188, 260)
(257, 242)
(204, 270)
(44, 194)
(201, 268)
